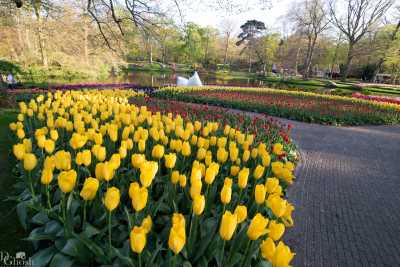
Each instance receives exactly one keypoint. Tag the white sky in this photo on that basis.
(208, 16)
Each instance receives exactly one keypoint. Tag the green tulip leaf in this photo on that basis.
(40, 218)
(43, 256)
(22, 213)
(61, 260)
(264, 263)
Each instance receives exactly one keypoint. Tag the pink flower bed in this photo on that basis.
(377, 98)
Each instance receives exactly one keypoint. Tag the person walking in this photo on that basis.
(10, 81)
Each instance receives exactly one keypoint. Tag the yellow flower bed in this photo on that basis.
(108, 182)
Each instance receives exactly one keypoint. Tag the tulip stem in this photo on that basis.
(31, 184)
(48, 196)
(63, 207)
(222, 253)
(174, 261)
(84, 212)
(140, 260)
(245, 254)
(190, 228)
(109, 229)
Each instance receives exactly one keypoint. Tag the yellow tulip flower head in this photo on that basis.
(19, 151)
(67, 180)
(241, 213)
(257, 227)
(228, 225)
(138, 239)
(30, 161)
(147, 223)
(260, 194)
(277, 205)
(47, 176)
(175, 177)
(258, 172)
(170, 160)
(138, 196)
(243, 177)
(199, 202)
(89, 189)
(137, 160)
(282, 255)
(148, 171)
(268, 249)
(276, 230)
(157, 152)
(112, 198)
(226, 192)
(177, 234)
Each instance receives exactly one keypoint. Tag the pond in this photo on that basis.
(146, 78)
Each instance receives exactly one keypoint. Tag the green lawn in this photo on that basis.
(11, 233)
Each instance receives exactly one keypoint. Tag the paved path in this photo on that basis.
(347, 196)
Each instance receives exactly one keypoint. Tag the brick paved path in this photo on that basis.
(347, 196)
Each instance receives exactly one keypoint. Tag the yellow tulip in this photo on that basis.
(112, 198)
(175, 177)
(243, 177)
(257, 227)
(182, 180)
(266, 159)
(177, 234)
(234, 170)
(54, 134)
(138, 239)
(63, 160)
(138, 195)
(260, 194)
(201, 153)
(148, 171)
(211, 173)
(226, 191)
(277, 149)
(157, 152)
(241, 213)
(287, 216)
(108, 171)
(170, 160)
(186, 149)
(137, 160)
(99, 171)
(276, 230)
(49, 163)
(89, 189)
(258, 172)
(77, 141)
(228, 225)
(30, 161)
(233, 153)
(254, 153)
(277, 205)
(289, 165)
(115, 161)
(142, 145)
(147, 223)
(198, 204)
(27, 144)
(222, 155)
(47, 176)
(268, 249)
(282, 255)
(21, 133)
(19, 151)
(246, 155)
(67, 180)
(272, 185)
(277, 167)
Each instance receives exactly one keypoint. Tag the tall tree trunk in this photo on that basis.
(42, 43)
(226, 48)
(309, 59)
(296, 64)
(348, 61)
(150, 52)
(249, 62)
(305, 75)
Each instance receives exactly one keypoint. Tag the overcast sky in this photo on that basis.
(205, 15)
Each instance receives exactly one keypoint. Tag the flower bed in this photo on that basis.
(383, 99)
(302, 106)
(105, 182)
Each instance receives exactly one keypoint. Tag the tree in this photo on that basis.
(311, 20)
(388, 43)
(359, 18)
(227, 27)
(250, 30)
